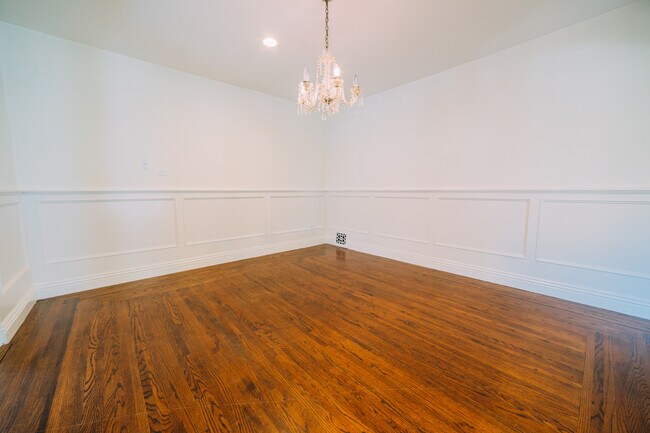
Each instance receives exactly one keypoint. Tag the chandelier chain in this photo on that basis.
(327, 24)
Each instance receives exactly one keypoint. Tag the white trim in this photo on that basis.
(345, 229)
(482, 251)
(74, 285)
(9, 203)
(298, 196)
(102, 200)
(485, 251)
(233, 238)
(4, 288)
(401, 238)
(108, 254)
(622, 304)
(222, 197)
(302, 229)
(158, 191)
(639, 202)
(9, 193)
(534, 189)
(455, 198)
(16, 317)
(309, 228)
(576, 265)
(592, 268)
(559, 189)
(48, 261)
(401, 197)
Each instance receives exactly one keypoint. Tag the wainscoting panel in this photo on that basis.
(484, 225)
(289, 214)
(349, 212)
(405, 218)
(218, 219)
(606, 236)
(85, 229)
(13, 252)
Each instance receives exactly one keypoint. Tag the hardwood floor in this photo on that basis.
(3, 349)
(323, 340)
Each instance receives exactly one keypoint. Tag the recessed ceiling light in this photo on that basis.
(270, 42)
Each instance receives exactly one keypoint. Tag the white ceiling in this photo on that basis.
(388, 42)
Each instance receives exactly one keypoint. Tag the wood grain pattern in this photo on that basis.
(3, 350)
(618, 397)
(323, 340)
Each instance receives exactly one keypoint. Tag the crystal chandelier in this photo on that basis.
(328, 93)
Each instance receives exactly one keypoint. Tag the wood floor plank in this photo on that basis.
(96, 385)
(30, 371)
(323, 340)
(4, 349)
(618, 387)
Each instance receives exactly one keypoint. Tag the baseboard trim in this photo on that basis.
(9, 326)
(631, 306)
(49, 290)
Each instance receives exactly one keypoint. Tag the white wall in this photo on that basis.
(530, 167)
(84, 118)
(566, 110)
(7, 171)
(15, 279)
(231, 174)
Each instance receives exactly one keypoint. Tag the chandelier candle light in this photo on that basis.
(328, 93)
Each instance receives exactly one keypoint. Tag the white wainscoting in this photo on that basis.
(590, 246)
(350, 213)
(213, 219)
(607, 236)
(296, 213)
(85, 240)
(587, 246)
(485, 225)
(80, 229)
(411, 224)
(16, 290)
(13, 251)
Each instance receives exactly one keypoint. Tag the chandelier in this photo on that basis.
(328, 93)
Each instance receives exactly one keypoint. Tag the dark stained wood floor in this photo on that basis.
(323, 340)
